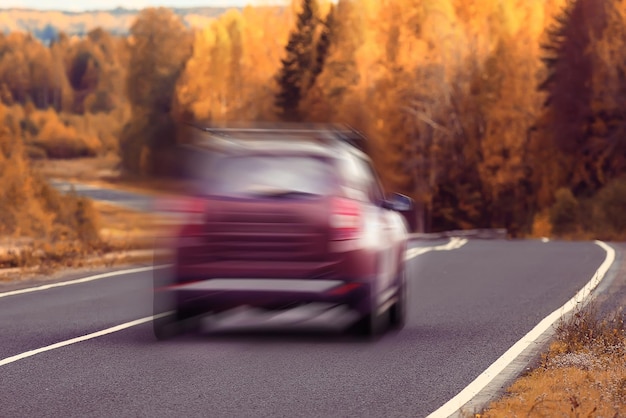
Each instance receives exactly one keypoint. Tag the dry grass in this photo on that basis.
(80, 169)
(125, 237)
(46, 272)
(127, 227)
(43, 231)
(583, 374)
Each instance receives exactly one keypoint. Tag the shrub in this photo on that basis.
(29, 126)
(541, 226)
(99, 101)
(34, 152)
(610, 207)
(31, 207)
(63, 135)
(564, 214)
(63, 141)
(588, 329)
(146, 144)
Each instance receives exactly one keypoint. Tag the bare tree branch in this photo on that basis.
(426, 119)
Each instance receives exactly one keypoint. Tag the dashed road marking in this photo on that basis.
(82, 280)
(453, 244)
(96, 334)
(412, 253)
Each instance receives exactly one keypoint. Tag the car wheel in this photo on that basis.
(372, 324)
(166, 327)
(398, 310)
(170, 318)
(175, 324)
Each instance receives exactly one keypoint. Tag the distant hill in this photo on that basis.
(46, 24)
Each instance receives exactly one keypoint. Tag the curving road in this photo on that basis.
(468, 305)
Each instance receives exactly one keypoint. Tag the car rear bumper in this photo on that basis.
(215, 295)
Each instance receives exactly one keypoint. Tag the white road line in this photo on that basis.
(453, 244)
(111, 330)
(455, 404)
(82, 280)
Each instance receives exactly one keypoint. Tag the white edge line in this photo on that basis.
(467, 394)
(111, 330)
(82, 280)
(453, 244)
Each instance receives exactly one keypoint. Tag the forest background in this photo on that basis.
(489, 114)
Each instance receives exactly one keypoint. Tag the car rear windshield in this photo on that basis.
(269, 176)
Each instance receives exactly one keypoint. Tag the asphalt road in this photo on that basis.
(467, 307)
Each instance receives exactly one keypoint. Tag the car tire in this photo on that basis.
(371, 324)
(175, 324)
(166, 327)
(398, 311)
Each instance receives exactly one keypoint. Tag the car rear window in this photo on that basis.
(256, 175)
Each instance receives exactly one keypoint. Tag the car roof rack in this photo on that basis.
(233, 133)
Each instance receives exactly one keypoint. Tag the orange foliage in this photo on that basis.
(234, 59)
(447, 90)
(32, 208)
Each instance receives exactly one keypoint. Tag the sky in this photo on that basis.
(80, 5)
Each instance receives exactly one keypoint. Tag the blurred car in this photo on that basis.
(283, 217)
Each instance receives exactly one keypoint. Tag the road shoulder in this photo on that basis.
(609, 296)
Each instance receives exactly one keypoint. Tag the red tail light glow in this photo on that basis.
(191, 209)
(345, 219)
(194, 205)
(343, 289)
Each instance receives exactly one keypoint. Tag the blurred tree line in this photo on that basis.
(488, 113)
(69, 97)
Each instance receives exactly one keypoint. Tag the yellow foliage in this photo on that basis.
(217, 83)
(541, 225)
(455, 81)
(63, 140)
(32, 208)
(198, 21)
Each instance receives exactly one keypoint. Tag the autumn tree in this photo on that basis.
(605, 149)
(569, 89)
(236, 67)
(233, 63)
(510, 104)
(27, 70)
(105, 87)
(159, 49)
(63, 94)
(210, 85)
(407, 98)
(339, 76)
(304, 59)
(32, 207)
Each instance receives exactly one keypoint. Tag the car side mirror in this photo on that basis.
(398, 202)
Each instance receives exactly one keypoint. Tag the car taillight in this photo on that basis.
(189, 210)
(345, 219)
(194, 206)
